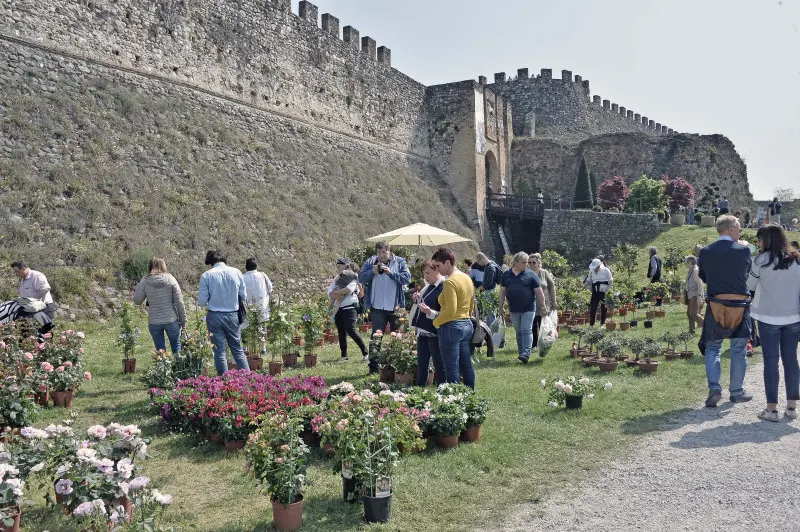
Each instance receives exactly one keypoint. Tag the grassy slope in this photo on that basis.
(528, 450)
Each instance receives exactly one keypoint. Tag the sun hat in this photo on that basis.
(594, 264)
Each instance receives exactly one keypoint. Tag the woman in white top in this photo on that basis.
(599, 281)
(347, 313)
(775, 278)
(258, 287)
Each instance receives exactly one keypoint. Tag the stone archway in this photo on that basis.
(493, 178)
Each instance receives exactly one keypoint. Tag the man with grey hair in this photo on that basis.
(523, 290)
(724, 266)
(654, 266)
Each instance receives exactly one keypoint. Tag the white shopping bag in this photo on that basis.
(548, 333)
(498, 329)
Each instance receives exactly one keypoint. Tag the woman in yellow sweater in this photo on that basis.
(455, 328)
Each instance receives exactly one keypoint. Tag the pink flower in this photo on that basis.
(87, 375)
(81, 350)
(60, 369)
(68, 364)
(279, 460)
(69, 332)
(47, 366)
(28, 356)
(42, 388)
(47, 335)
(41, 347)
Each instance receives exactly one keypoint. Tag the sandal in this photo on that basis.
(769, 415)
(790, 413)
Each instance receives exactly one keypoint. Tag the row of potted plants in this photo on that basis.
(606, 350)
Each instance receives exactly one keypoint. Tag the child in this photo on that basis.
(341, 282)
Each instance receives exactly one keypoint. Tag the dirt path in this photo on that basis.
(710, 469)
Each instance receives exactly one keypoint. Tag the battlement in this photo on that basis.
(524, 80)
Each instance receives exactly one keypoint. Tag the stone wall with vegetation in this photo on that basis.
(582, 235)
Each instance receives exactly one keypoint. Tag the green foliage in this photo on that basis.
(254, 335)
(625, 256)
(278, 458)
(646, 195)
(584, 198)
(593, 186)
(128, 334)
(555, 263)
(280, 328)
(134, 267)
(70, 284)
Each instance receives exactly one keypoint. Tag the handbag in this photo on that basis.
(478, 334)
(242, 312)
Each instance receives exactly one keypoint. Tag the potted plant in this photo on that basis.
(636, 346)
(377, 350)
(402, 356)
(475, 407)
(280, 336)
(684, 337)
(578, 349)
(254, 337)
(311, 327)
(609, 347)
(128, 338)
(611, 302)
(278, 458)
(657, 292)
(650, 350)
(670, 339)
(375, 467)
(64, 380)
(569, 392)
(593, 336)
(649, 314)
(448, 419)
(11, 496)
(234, 425)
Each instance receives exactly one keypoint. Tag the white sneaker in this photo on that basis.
(791, 414)
(769, 415)
(342, 360)
(365, 358)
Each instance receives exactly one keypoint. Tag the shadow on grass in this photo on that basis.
(724, 436)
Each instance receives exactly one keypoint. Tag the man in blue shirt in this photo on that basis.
(523, 289)
(221, 291)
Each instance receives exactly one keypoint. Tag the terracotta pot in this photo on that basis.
(572, 322)
(287, 518)
(471, 434)
(331, 338)
(624, 326)
(447, 442)
(431, 378)
(15, 525)
(648, 367)
(62, 399)
(666, 300)
(234, 445)
(581, 321)
(661, 313)
(216, 439)
(310, 361)
(686, 354)
(650, 314)
(671, 355)
(320, 342)
(255, 363)
(403, 378)
(129, 365)
(127, 504)
(275, 368)
(328, 449)
(387, 375)
(589, 361)
(611, 326)
(42, 398)
(631, 362)
(620, 358)
(364, 327)
(608, 365)
(298, 341)
(290, 361)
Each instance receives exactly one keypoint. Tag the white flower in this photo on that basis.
(100, 506)
(607, 386)
(8, 469)
(114, 517)
(125, 468)
(106, 465)
(80, 334)
(559, 385)
(567, 389)
(552, 404)
(16, 485)
(86, 454)
(139, 483)
(124, 488)
(84, 509)
(38, 467)
(64, 486)
(590, 396)
(584, 380)
(54, 430)
(162, 498)
(63, 468)
(543, 382)
(32, 433)
(141, 452)
(97, 431)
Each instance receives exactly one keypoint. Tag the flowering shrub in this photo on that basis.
(67, 376)
(11, 491)
(476, 407)
(448, 417)
(571, 387)
(401, 352)
(128, 334)
(278, 458)
(312, 322)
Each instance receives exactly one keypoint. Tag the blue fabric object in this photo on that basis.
(520, 290)
(738, 365)
(430, 296)
(454, 344)
(523, 326)
(427, 349)
(724, 267)
(173, 331)
(780, 342)
(221, 288)
(226, 332)
(399, 274)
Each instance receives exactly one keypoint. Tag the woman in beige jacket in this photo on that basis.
(548, 287)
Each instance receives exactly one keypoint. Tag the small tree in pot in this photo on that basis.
(128, 337)
(684, 337)
(593, 337)
(577, 348)
(651, 349)
(636, 346)
(609, 347)
(670, 338)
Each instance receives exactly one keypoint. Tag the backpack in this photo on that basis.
(491, 276)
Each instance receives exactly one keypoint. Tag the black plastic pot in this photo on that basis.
(351, 491)
(648, 324)
(377, 509)
(574, 402)
(634, 323)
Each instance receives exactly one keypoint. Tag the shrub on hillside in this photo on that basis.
(583, 189)
(646, 195)
(135, 266)
(612, 193)
(679, 193)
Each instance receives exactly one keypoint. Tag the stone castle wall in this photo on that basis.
(253, 51)
(563, 109)
(582, 235)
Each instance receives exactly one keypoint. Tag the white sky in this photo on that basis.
(698, 66)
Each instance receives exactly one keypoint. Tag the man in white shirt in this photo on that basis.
(258, 287)
(34, 285)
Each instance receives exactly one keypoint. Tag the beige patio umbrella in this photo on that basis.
(419, 234)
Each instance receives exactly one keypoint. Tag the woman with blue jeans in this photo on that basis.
(165, 310)
(775, 278)
(427, 335)
(457, 302)
(523, 290)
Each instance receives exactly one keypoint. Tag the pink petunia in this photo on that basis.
(87, 375)
(28, 356)
(60, 369)
(47, 366)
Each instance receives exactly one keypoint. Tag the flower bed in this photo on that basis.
(228, 405)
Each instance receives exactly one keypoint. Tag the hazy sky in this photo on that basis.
(699, 66)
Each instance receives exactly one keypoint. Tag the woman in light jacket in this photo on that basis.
(427, 337)
(165, 310)
(548, 287)
(695, 294)
(775, 278)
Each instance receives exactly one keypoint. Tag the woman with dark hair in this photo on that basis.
(427, 337)
(775, 278)
(165, 310)
(344, 292)
(457, 302)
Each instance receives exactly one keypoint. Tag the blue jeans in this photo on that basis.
(454, 339)
(780, 341)
(427, 348)
(173, 331)
(738, 365)
(226, 332)
(523, 325)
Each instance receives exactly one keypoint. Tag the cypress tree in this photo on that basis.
(593, 185)
(583, 190)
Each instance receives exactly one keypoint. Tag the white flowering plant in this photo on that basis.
(278, 458)
(11, 491)
(448, 417)
(571, 386)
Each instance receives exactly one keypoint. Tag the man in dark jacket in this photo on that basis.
(654, 266)
(724, 266)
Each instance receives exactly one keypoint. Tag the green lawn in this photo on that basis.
(528, 450)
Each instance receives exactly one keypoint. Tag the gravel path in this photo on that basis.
(710, 469)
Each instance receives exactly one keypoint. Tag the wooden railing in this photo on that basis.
(509, 205)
